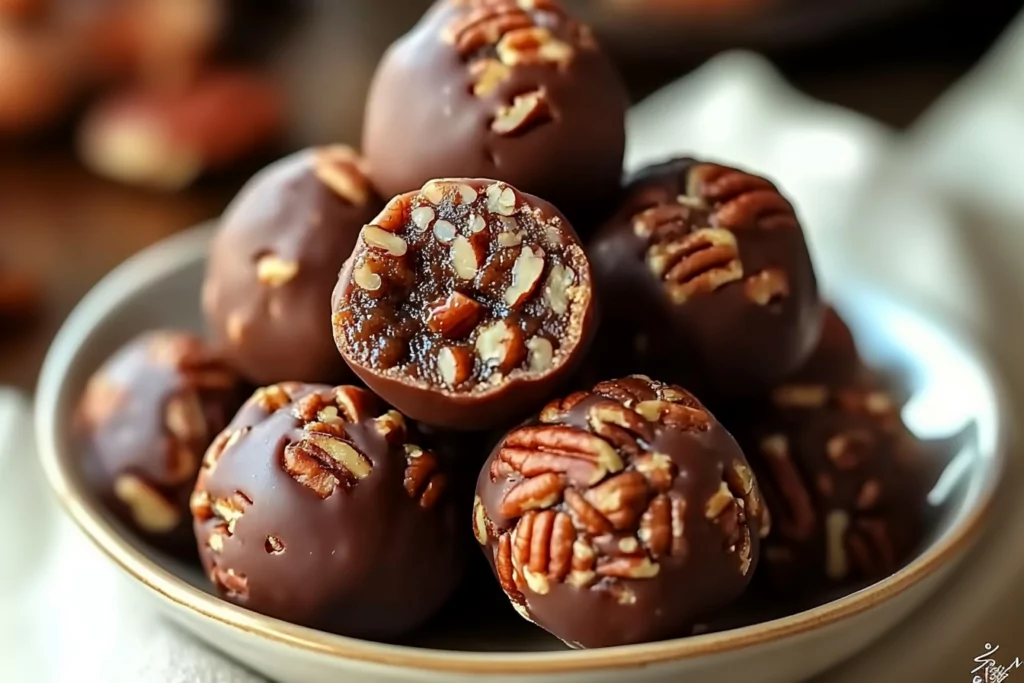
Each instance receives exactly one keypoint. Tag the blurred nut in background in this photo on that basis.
(37, 79)
(159, 41)
(167, 138)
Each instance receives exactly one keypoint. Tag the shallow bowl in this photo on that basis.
(954, 399)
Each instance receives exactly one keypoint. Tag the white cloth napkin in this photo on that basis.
(970, 143)
(968, 148)
(66, 614)
(870, 198)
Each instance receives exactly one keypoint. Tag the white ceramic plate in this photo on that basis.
(953, 396)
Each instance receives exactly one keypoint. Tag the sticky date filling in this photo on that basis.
(465, 286)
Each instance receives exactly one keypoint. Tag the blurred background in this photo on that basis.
(123, 121)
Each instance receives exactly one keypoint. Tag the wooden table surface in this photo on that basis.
(70, 228)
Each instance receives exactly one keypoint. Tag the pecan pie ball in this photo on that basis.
(316, 506)
(842, 476)
(465, 304)
(623, 514)
(515, 90)
(706, 280)
(144, 421)
(275, 261)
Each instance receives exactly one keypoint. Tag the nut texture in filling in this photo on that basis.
(844, 479)
(623, 514)
(144, 421)
(275, 261)
(516, 90)
(706, 280)
(317, 506)
(464, 293)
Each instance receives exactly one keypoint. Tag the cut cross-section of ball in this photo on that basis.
(465, 303)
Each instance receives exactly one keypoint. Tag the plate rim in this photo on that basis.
(168, 255)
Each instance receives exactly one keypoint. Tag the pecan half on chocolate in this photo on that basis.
(316, 503)
(618, 502)
(843, 477)
(145, 419)
(708, 268)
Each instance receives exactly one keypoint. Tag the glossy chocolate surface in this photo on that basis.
(621, 515)
(144, 421)
(705, 279)
(844, 479)
(515, 91)
(275, 261)
(315, 506)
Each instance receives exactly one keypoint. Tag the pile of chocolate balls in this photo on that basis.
(514, 309)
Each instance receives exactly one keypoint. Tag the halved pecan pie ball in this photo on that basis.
(465, 304)
(316, 506)
(516, 90)
(843, 477)
(706, 280)
(144, 421)
(275, 261)
(623, 514)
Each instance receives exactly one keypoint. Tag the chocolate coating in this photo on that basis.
(708, 270)
(836, 359)
(275, 261)
(621, 515)
(466, 304)
(843, 478)
(314, 506)
(144, 421)
(509, 90)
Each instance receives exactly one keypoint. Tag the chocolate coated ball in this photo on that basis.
(517, 91)
(316, 507)
(842, 476)
(623, 514)
(275, 261)
(706, 280)
(145, 419)
(466, 304)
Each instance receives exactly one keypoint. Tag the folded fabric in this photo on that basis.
(969, 143)
(68, 614)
